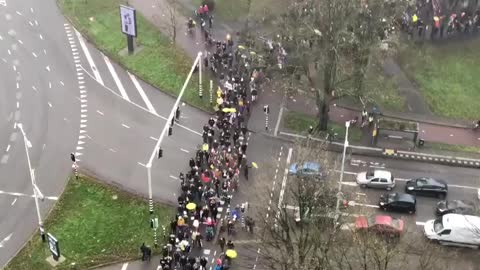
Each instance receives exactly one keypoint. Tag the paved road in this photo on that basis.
(64, 108)
(36, 90)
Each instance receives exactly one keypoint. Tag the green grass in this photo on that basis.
(300, 123)
(386, 94)
(448, 76)
(159, 63)
(94, 224)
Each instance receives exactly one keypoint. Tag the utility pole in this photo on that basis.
(36, 191)
(157, 150)
(339, 194)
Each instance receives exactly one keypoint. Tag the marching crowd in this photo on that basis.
(428, 17)
(214, 172)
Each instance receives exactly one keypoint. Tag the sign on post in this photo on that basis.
(128, 20)
(53, 246)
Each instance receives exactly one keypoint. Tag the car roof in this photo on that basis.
(403, 197)
(383, 220)
(450, 221)
(382, 174)
(311, 166)
(433, 181)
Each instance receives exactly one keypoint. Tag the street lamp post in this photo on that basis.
(157, 149)
(339, 194)
(36, 191)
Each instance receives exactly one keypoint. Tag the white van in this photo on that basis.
(454, 230)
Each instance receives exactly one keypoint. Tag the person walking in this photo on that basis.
(203, 263)
(222, 242)
(245, 171)
(143, 249)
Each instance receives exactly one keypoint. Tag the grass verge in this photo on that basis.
(300, 123)
(447, 74)
(159, 62)
(94, 224)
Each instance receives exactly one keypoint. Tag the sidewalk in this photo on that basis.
(431, 130)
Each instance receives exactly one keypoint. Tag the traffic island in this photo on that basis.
(93, 224)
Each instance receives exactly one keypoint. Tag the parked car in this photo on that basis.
(380, 224)
(398, 202)
(454, 230)
(456, 207)
(307, 169)
(376, 179)
(428, 187)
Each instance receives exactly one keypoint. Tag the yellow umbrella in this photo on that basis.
(254, 164)
(436, 18)
(231, 253)
(191, 206)
(229, 110)
(253, 53)
(241, 47)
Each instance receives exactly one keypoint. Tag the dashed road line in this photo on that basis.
(125, 126)
(99, 112)
(184, 150)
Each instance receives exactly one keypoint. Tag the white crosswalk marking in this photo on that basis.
(115, 78)
(89, 58)
(142, 93)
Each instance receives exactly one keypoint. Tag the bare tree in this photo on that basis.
(330, 43)
(168, 18)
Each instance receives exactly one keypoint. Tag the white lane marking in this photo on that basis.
(419, 223)
(173, 177)
(18, 12)
(124, 266)
(353, 203)
(142, 93)
(112, 150)
(50, 104)
(5, 240)
(183, 150)
(277, 125)
(21, 42)
(89, 57)
(18, 104)
(99, 112)
(30, 22)
(47, 68)
(61, 82)
(31, 10)
(115, 78)
(9, 52)
(140, 107)
(34, 55)
(45, 51)
(18, 194)
(14, 201)
(352, 184)
(141, 164)
(125, 126)
(153, 138)
(8, 148)
(284, 181)
(14, 68)
(18, 85)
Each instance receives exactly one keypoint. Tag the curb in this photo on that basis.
(379, 152)
(399, 117)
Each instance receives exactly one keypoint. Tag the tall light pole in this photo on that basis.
(170, 120)
(36, 191)
(339, 194)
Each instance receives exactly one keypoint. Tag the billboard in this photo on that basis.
(128, 20)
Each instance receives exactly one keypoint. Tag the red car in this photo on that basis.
(381, 224)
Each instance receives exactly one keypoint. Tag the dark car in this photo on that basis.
(455, 207)
(398, 202)
(428, 187)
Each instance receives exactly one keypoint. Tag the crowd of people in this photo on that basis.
(428, 17)
(214, 172)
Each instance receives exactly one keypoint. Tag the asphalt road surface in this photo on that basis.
(52, 85)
